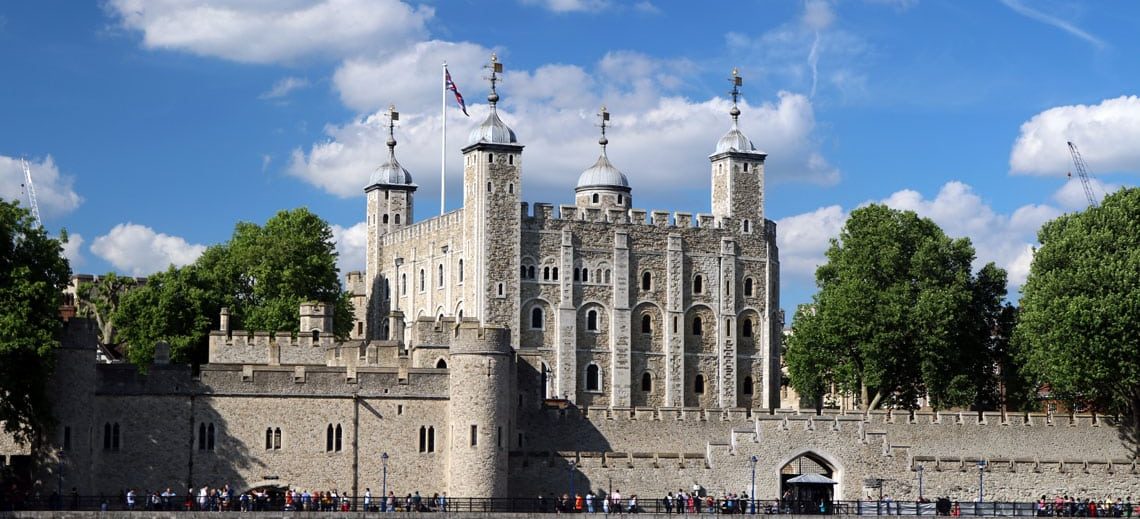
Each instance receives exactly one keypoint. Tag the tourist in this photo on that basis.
(668, 502)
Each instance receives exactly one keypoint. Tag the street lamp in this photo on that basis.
(752, 496)
(981, 481)
(384, 485)
(919, 469)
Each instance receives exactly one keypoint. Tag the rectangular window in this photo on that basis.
(67, 438)
(474, 435)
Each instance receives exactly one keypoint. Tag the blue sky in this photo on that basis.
(154, 126)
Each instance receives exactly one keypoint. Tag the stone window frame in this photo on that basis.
(746, 226)
(747, 386)
(206, 437)
(423, 280)
(647, 382)
(746, 327)
(440, 363)
(647, 323)
(442, 281)
(749, 286)
(597, 373)
(541, 317)
(698, 283)
(646, 283)
(592, 312)
(460, 281)
(273, 438)
(699, 384)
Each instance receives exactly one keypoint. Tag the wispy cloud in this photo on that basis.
(1047, 19)
(284, 87)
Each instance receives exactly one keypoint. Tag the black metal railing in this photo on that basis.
(433, 503)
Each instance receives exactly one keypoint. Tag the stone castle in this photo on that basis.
(504, 352)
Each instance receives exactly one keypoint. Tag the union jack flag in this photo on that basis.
(458, 97)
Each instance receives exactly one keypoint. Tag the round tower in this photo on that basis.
(479, 410)
(603, 185)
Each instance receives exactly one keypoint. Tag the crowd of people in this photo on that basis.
(1069, 506)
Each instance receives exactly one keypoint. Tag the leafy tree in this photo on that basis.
(895, 316)
(33, 274)
(262, 274)
(1079, 328)
(99, 300)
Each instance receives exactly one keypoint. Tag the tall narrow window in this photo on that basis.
(329, 438)
(107, 436)
(460, 270)
(403, 284)
(115, 437)
(384, 218)
(598, 276)
(595, 198)
(338, 438)
(728, 327)
(699, 385)
(423, 439)
(607, 275)
(577, 271)
(397, 218)
(646, 382)
(67, 438)
(747, 287)
(210, 437)
(747, 226)
(474, 435)
(646, 324)
(431, 439)
(698, 284)
(546, 273)
(592, 320)
(746, 328)
(747, 386)
(423, 280)
(441, 275)
(697, 325)
(277, 439)
(530, 272)
(554, 273)
(202, 436)
(500, 290)
(268, 438)
(585, 275)
(646, 280)
(499, 437)
(536, 318)
(592, 377)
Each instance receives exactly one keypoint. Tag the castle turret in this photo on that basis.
(482, 368)
(390, 194)
(737, 174)
(603, 185)
(492, 165)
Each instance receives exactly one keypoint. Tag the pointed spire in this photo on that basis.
(493, 130)
(393, 116)
(737, 81)
(605, 118)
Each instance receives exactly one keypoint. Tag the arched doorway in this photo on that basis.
(807, 484)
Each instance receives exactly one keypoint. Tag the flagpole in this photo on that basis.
(443, 143)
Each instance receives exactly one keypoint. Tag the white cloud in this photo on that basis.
(72, 250)
(1006, 240)
(284, 87)
(273, 31)
(139, 251)
(569, 6)
(54, 191)
(1106, 135)
(1072, 195)
(1055, 21)
(411, 79)
(351, 246)
(804, 238)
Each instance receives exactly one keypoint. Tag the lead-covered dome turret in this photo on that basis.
(391, 173)
(493, 130)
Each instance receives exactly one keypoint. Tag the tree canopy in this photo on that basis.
(898, 316)
(99, 299)
(33, 274)
(262, 274)
(1079, 329)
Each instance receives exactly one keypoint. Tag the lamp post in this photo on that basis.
(981, 481)
(384, 485)
(919, 469)
(752, 496)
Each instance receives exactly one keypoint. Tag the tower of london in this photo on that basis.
(509, 349)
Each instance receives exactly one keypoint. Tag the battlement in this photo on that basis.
(657, 218)
(475, 338)
(423, 228)
(261, 347)
(612, 459)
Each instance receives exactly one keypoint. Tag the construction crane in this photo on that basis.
(1082, 173)
(30, 189)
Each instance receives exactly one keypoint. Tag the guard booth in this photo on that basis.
(806, 485)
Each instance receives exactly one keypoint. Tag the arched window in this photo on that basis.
(554, 273)
(585, 275)
(595, 198)
(277, 439)
(423, 280)
(577, 273)
(500, 287)
(268, 438)
(747, 227)
(423, 439)
(699, 385)
(384, 286)
(747, 287)
(646, 281)
(329, 438)
(431, 439)
(598, 276)
(384, 218)
(530, 272)
(746, 388)
(511, 185)
(592, 320)
(210, 437)
(441, 364)
(746, 328)
(316, 336)
(338, 437)
(441, 275)
(646, 382)
(607, 278)
(697, 325)
(397, 218)
(202, 436)
(728, 327)
(646, 324)
(621, 199)
(593, 382)
(460, 270)
(698, 284)
(536, 318)
(488, 183)
(403, 284)
(546, 273)
(522, 271)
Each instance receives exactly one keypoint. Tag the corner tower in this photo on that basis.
(390, 193)
(603, 185)
(492, 166)
(737, 173)
(479, 410)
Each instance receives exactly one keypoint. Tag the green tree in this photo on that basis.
(1079, 328)
(262, 274)
(893, 318)
(99, 299)
(33, 274)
